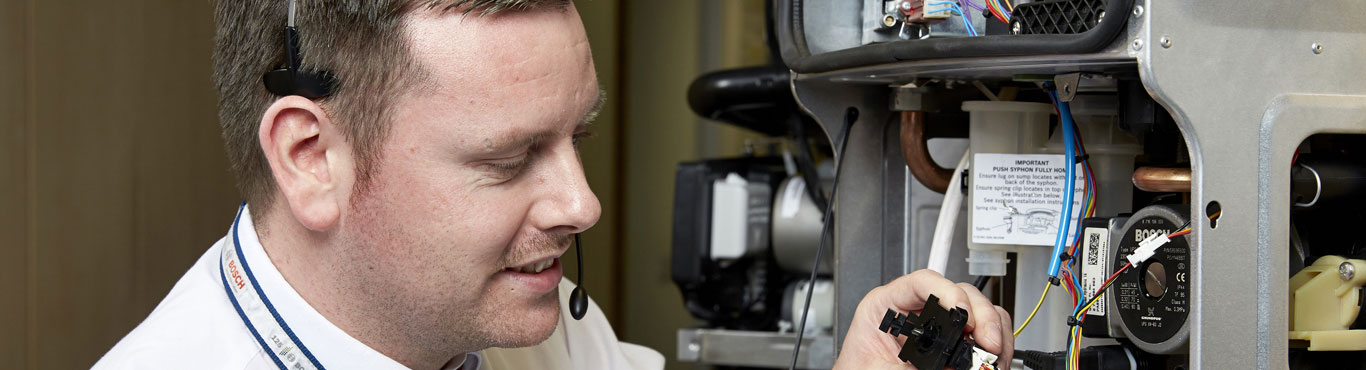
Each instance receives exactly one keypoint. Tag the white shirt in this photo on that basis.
(198, 326)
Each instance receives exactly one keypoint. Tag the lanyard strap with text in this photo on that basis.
(256, 311)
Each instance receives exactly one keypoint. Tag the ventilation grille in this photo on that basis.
(1053, 17)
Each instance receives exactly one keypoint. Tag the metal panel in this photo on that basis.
(841, 21)
(757, 349)
(860, 220)
(1243, 81)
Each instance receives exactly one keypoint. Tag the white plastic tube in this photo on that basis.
(948, 218)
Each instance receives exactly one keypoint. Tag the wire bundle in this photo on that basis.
(1075, 153)
(998, 11)
(1073, 280)
(956, 9)
(1074, 149)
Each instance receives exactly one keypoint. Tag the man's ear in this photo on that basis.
(310, 160)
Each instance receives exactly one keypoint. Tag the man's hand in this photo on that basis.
(866, 347)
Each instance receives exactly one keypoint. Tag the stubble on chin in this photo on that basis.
(516, 328)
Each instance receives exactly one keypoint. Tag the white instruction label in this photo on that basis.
(1017, 198)
(1095, 241)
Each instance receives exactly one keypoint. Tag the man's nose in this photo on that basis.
(567, 204)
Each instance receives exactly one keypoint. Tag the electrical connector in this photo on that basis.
(982, 360)
(937, 9)
(1147, 247)
(934, 338)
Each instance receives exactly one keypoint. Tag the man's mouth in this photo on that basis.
(534, 267)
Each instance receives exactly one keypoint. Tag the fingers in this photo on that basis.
(989, 325)
(908, 293)
(1006, 332)
(986, 321)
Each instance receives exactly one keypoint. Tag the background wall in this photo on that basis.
(667, 45)
(113, 179)
(113, 176)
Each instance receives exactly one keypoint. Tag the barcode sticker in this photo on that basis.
(1096, 242)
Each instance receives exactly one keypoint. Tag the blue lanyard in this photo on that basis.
(255, 309)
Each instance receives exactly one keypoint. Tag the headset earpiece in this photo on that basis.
(293, 80)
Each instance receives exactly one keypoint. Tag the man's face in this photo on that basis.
(479, 182)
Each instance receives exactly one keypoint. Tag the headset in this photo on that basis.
(292, 80)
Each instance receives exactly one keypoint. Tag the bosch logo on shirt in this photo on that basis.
(236, 276)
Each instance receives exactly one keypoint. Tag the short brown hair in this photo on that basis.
(359, 41)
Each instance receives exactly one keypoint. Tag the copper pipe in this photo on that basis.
(917, 153)
(1163, 179)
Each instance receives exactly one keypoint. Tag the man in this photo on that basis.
(413, 216)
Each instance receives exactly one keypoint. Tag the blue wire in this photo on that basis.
(1069, 164)
(1076, 278)
(956, 10)
(968, 25)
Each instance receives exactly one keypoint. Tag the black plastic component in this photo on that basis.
(995, 27)
(1304, 359)
(934, 337)
(1040, 360)
(1113, 357)
(1153, 318)
(1137, 110)
(578, 298)
(1052, 17)
(1094, 326)
(797, 55)
(756, 98)
(1333, 185)
(742, 294)
(292, 79)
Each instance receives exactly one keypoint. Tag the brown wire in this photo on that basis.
(917, 153)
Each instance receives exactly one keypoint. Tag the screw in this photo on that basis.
(1138, 44)
(1066, 88)
(888, 21)
(1016, 28)
(1138, 10)
(1347, 271)
(1166, 41)
(906, 5)
(1317, 48)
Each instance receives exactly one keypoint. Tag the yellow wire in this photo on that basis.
(1036, 309)
(1012, 7)
(1072, 362)
(1088, 305)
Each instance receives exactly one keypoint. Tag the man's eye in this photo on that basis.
(580, 136)
(510, 169)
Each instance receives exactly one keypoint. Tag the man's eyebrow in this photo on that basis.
(516, 139)
(508, 140)
(593, 111)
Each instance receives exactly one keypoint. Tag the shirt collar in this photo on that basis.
(331, 345)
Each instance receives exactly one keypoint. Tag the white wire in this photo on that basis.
(948, 218)
(1318, 187)
(290, 21)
